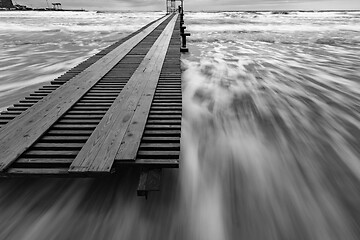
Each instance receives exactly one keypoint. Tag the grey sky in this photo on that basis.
(201, 4)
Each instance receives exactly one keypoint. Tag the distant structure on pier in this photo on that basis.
(171, 5)
(6, 4)
(57, 6)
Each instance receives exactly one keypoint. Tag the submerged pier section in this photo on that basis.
(121, 107)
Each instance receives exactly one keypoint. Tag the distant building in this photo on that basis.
(21, 7)
(57, 6)
(6, 4)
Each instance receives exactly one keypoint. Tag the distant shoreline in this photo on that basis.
(189, 11)
(278, 11)
(43, 10)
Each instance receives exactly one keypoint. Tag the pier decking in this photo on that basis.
(121, 107)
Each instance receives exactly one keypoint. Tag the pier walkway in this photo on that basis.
(121, 107)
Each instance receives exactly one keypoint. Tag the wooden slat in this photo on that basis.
(44, 161)
(70, 132)
(64, 138)
(160, 146)
(100, 150)
(131, 141)
(45, 154)
(38, 171)
(25, 129)
(168, 163)
(161, 139)
(162, 154)
(54, 146)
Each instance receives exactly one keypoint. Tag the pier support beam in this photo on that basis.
(150, 181)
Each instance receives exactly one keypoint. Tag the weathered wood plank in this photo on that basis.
(161, 139)
(83, 112)
(45, 154)
(44, 161)
(164, 121)
(163, 133)
(70, 133)
(162, 154)
(84, 116)
(50, 138)
(168, 163)
(19, 134)
(78, 121)
(100, 150)
(38, 171)
(54, 146)
(161, 146)
(74, 126)
(131, 141)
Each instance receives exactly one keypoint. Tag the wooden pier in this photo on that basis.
(121, 107)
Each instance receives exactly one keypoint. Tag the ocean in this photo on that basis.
(270, 132)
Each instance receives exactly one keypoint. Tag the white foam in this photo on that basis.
(212, 28)
(74, 22)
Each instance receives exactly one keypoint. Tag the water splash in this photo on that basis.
(270, 135)
(263, 172)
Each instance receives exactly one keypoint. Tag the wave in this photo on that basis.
(74, 21)
(270, 137)
(244, 141)
(215, 27)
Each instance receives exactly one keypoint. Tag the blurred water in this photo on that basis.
(270, 143)
(37, 47)
(271, 125)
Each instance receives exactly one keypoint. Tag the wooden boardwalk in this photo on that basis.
(121, 107)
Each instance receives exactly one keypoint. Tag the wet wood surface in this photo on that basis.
(128, 113)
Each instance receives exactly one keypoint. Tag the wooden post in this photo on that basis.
(182, 30)
(182, 13)
(150, 181)
(183, 47)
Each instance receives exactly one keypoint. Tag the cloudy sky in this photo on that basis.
(214, 5)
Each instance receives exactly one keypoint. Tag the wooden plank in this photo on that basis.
(100, 150)
(19, 134)
(78, 121)
(11, 113)
(45, 153)
(163, 127)
(38, 171)
(156, 154)
(161, 139)
(164, 117)
(163, 163)
(50, 138)
(90, 108)
(44, 161)
(160, 146)
(163, 133)
(70, 133)
(131, 141)
(84, 116)
(82, 112)
(74, 126)
(164, 121)
(54, 146)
